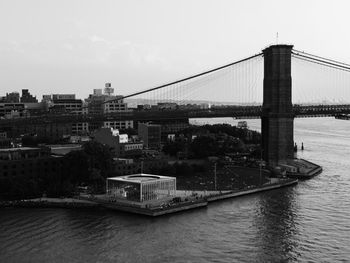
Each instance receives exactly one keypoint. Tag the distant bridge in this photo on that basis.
(237, 112)
(265, 78)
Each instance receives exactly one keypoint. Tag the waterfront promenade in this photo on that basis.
(188, 199)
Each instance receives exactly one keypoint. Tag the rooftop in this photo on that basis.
(19, 149)
(63, 146)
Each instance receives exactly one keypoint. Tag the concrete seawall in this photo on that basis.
(86, 202)
(50, 203)
(201, 202)
(252, 191)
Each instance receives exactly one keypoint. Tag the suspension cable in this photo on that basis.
(319, 62)
(323, 62)
(182, 80)
(323, 58)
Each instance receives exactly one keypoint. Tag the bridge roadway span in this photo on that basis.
(239, 112)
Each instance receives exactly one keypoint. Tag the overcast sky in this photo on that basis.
(74, 46)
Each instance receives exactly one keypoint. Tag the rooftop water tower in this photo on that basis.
(108, 89)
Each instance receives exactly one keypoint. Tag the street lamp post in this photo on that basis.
(215, 176)
(260, 164)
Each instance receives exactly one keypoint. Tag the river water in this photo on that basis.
(309, 222)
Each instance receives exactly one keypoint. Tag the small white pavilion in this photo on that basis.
(141, 188)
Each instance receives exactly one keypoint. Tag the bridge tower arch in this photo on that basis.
(277, 112)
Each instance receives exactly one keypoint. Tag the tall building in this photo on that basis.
(116, 106)
(68, 103)
(150, 134)
(107, 103)
(27, 97)
(12, 97)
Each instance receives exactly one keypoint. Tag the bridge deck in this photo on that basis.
(238, 112)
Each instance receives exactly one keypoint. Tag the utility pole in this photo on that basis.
(260, 173)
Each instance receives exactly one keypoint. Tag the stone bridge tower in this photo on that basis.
(277, 112)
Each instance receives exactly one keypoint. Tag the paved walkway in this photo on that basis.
(185, 193)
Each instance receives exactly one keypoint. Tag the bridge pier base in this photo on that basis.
(277, 112)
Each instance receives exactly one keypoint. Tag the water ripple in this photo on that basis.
(305, 223)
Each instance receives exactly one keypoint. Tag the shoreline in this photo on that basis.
(71, 203)
(77, 203)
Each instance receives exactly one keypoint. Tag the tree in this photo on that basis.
(99, 157)
(77, 167)
(31, 141)
(204, 146)
(172, 148)
(90, 166)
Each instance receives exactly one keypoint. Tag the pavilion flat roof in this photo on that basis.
(140, 178)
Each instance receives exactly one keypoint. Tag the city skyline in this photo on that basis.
(75, 47)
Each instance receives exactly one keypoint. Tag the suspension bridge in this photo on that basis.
(276, 85)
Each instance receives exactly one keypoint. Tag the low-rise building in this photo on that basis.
(13, 110)
(3, 135)
(242, 125)
(21, 153)
(63, 149)
(54, 130)
(28, 161)
(167, 106)
(118, 143)
(78, 139)
(289, 168)
(4, 141)
(131, 149)
(120, 125)
(80, 128)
